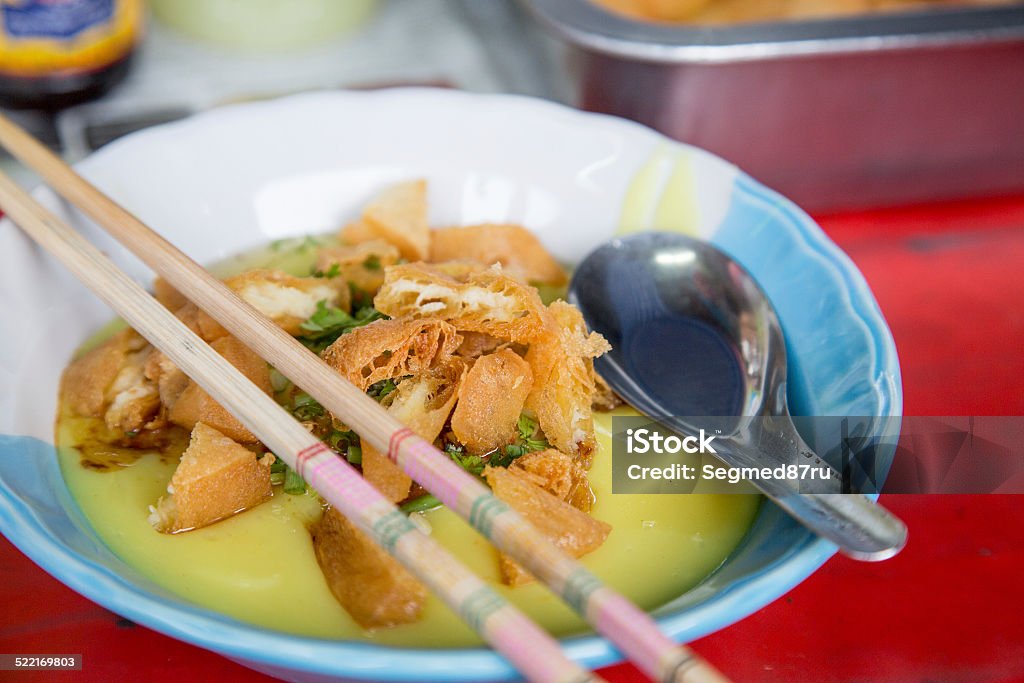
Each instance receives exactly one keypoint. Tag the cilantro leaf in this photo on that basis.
(328, 323)
(379, 390)
(503, 457)
(526, 441)
(473, 464)
(527, 426)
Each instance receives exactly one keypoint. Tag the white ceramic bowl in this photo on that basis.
(240, 176)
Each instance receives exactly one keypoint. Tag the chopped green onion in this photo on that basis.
(305, 407)
(293, 483)
(278, 381)
(422, 504)
(354, 455)
(332, 272)
(308, 243)
(372, 262)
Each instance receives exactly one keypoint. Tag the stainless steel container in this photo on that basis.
(836, 114)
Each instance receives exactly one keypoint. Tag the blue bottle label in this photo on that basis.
(61, 19)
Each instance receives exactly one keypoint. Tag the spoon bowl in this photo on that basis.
(693, 335)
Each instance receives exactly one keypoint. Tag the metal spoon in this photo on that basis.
(653, 294)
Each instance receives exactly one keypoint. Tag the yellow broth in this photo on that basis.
(259, 566)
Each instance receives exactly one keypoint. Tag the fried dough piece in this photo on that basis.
(476, 344)
(217, 478)
(388, 349)
(384, 475)
(168, 377)
(558, 474)
(485, 301)
(423, 404)
(371, 585)
(110, 382)
(605, 397)
(361, 264)
(357, 232)
(134, 401)
(563, 381)
(200, 322)
(170, 297)
(490, 401)
(397, 215)
(288, 300)
(195, 405)
(88, 377)
(575, 532)
(518, 250)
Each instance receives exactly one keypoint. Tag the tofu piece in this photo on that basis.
(195, 405)
(217, 478)
(372, 586)
(388, 349)
(518, 250)
(563, 381)
(575, 532)
(490, 401)
(487, 301)
(398, 215)
(422, 403)
(288, 300)
(558, 474)
(361, 264)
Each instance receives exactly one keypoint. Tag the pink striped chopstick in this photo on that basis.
(611, 614)
(530, 649)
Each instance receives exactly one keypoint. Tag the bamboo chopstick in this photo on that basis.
(530, 649)
(611, 614)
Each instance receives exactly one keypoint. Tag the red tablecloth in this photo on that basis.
(950, 281)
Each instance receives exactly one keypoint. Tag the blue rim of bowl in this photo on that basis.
(276, 651)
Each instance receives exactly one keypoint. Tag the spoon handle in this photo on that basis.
(861, 528)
